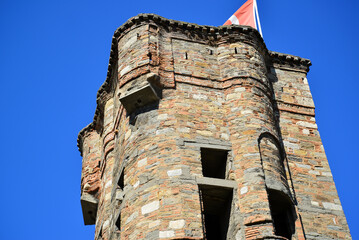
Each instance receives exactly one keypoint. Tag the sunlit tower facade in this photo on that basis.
(201, 132)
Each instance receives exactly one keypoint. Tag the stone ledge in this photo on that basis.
(206, 143)
(89, 208)
(142, 93)
(207, 182)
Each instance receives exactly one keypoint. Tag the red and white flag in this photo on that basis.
(246, 15)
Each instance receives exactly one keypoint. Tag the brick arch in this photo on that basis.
(272, 157)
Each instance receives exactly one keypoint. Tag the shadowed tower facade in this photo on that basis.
(200, 132)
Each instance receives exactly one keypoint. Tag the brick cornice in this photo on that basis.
(282, 60)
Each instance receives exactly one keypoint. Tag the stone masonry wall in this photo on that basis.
(177, 93)
(316, 196)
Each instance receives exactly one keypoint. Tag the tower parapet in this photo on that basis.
(200, 132)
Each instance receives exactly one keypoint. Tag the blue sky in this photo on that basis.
(53, 59)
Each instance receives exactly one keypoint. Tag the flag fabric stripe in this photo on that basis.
(233, 19)
(244, 15)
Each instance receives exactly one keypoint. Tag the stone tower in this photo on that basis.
(200, 132)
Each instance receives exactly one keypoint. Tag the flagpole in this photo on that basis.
(259, 22)
(254, 13)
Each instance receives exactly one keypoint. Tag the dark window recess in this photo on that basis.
(100, 235)
(216, 211)
(214, 162)
(120, 186)
(120, 183)
(118, 223)
(282, 213)
(119, 190)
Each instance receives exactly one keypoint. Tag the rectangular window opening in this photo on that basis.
(214, 162)
(216, 211)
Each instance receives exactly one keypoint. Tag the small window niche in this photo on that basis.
(100, 237)
(120, 187)
(119, 198)
(216, 211)
(214, 162)
(282, 213)
(118, 224)
(121, 183)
